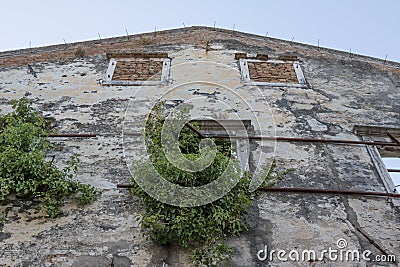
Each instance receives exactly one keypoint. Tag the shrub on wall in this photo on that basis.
(24, 168)
(204, 228)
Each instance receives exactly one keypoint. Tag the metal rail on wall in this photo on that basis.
(395, 142)
(250, 137)
(290, 139)
(309, 190)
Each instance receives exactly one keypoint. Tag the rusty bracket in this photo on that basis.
(195, 130)
(327, 191)
(394, 139)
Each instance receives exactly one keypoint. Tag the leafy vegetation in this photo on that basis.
(204, 229)
(24, 168)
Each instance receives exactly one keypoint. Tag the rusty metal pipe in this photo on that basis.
(309, 190)
(305, 140)
(326, 191)
(299, 139)
(353, 142)
(195, 130)
(393, 138)
(289, 139)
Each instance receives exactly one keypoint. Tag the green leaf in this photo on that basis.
(201, 228)
(23, 165)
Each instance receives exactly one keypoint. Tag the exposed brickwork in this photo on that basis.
(129, 54)
(272, 72)
(240, 56)
(262, 57)
(196, 35)
(245, 56)
(138, 70)
(287, 57)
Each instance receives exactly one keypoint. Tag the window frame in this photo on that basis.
(368, 133)
(113, 60)
(244, 70)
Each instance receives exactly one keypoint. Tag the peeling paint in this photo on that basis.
(343, 92)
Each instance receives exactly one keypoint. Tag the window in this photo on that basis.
(395, 77)
(390, 157)
(386, 158)
(233, 127)
(137, 69)
(260, 70)
(393, 166)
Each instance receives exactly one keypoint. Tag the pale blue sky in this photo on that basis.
(393, 163)
(365, 27)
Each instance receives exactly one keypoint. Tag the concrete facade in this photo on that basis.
(341, 90)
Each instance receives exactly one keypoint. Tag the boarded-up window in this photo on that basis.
(272, 72)
(137, 69)
(260, 70)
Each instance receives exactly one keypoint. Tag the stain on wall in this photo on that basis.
(344, 91)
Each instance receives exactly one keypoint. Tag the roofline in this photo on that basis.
(110, 40)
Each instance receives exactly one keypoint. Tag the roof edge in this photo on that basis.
(111, 40)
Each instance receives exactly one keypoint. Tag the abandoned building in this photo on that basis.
(334, 117)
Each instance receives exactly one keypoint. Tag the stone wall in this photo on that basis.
(344, 91)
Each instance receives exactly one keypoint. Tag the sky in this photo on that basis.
(393, 163)
(364, 27)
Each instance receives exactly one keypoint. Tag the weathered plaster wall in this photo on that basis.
(343, 91)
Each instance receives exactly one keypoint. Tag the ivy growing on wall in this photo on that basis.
(25, 169)
(204, 229)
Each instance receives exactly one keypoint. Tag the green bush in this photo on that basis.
(204, 229)
(24, 169)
